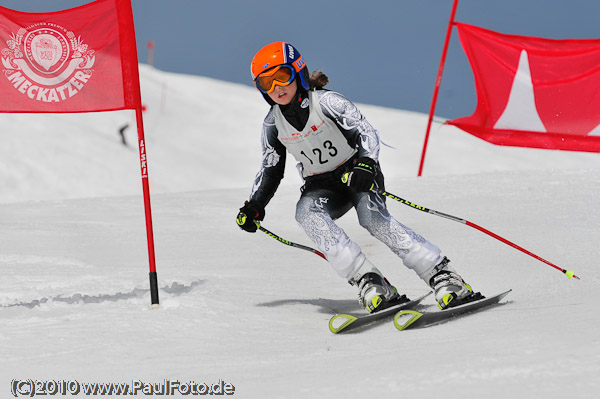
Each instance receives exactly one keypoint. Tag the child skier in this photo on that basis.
(329, 137)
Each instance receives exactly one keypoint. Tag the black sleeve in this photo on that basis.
(273, 163)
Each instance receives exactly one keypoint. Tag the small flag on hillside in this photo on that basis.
(77, 60)
(533, 92)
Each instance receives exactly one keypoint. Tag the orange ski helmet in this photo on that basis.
(280, 53)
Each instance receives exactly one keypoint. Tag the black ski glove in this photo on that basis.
(249, 214)
(362, 175)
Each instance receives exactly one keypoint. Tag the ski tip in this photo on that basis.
(405, 318)
(340, 322)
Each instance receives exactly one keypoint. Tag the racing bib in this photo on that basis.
(320, 147)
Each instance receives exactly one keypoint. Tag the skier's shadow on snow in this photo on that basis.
(175, 289)
(327, 306)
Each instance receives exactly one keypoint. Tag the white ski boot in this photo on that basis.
(374, 291)
(449, 288)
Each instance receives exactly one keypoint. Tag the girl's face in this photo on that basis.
(283, 95)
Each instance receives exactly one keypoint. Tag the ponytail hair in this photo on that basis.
(318, 80)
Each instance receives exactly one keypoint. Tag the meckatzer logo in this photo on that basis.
(46, 62)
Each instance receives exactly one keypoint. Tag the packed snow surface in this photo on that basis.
(249, 313)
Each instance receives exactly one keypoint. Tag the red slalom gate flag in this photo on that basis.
(533, 92)
(82, 59)
(77, 60)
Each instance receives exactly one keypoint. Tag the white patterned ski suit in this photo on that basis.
(334, 134)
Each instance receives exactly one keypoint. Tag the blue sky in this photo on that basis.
(378, 52)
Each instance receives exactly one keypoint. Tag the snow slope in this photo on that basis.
(74, 299)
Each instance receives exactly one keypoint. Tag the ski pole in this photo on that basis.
(568, 273)
(286, 242)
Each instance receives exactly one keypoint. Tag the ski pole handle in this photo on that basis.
(346, 176)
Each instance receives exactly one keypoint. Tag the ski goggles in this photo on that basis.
(281, 75)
